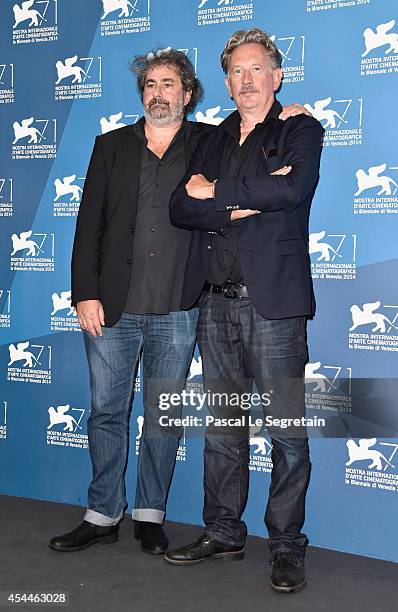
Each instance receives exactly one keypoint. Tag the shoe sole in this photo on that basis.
(107, 540)
(281, 589)
(228, 556)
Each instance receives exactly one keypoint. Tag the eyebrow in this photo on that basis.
(251, 65)
(164, 80)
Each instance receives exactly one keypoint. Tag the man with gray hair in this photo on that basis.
(128, 268)
(247, 198)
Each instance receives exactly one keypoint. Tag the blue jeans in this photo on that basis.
(238, 346)
(167, 343)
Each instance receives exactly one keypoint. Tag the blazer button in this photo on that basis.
(129, 262)
(209, 247)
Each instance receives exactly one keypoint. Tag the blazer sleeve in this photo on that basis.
(191, 213)
(272, 193)
(89, 230)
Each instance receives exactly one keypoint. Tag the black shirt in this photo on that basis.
(224, 261)
(160, 249)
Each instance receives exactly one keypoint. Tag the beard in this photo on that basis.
(160, 113)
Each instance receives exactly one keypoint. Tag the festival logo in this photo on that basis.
(342, 120)
(78, 78)
(380, 55)
(6, 83)
(68, 191)
(192, 54)
(138, 379)
(377, 190)
(35, 21)
(213, 115)
(6, 197)
(377, 330)
(194, 384)
(116, 121)
(292, 50)
(196, 368)
(29, 363)
(33, 252)
(214, 12)
(34, 139)
(314, 6)
(333, 256)
(182, 448)
(5, 308)
(121, 17)
(3, 420)
(328, 387)
(140, 425)
(374, 464)
(63, 314)
(65, 427)
(260, 457)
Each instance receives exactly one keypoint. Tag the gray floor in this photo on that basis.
(120, 577)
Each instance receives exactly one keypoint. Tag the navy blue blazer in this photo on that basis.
(273, 245)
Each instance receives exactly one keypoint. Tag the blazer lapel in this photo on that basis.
(131, 169)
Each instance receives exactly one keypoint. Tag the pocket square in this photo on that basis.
(272, 152)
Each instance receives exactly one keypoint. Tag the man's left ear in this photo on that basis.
(187, 96)
(277, 77)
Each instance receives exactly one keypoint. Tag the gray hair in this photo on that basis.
(172, 57)
(255, 35)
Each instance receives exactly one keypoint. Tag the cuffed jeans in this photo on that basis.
(238, 346)
(167, 343)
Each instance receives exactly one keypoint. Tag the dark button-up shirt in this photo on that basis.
(224, 261)
(160, 249)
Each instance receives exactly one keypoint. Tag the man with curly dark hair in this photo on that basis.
(127, 272)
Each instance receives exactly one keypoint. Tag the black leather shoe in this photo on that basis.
(84, 536)
(202, 549)
(153, 538)
(288, 575)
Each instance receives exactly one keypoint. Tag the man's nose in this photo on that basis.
(157, 90)
(247, 76)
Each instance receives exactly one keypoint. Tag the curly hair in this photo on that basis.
(171, 57)
(255, 35)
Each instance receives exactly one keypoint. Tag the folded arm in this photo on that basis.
(265, 193)
(273, 192)
(188, 212)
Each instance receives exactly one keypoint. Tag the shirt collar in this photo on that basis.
(139, 129)
(232, 123)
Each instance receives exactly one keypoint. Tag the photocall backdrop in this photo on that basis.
(64, 78)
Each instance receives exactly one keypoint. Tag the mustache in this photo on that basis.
(158, 100)
(248, 89)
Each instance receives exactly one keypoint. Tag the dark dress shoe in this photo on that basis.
(288, 575)
(152, 537)
(202, 549)
(84, 536)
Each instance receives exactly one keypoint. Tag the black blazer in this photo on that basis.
(103, 244)
(274, 245)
